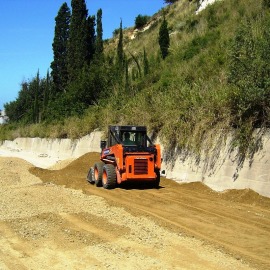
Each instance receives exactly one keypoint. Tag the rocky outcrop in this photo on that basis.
(204, 3)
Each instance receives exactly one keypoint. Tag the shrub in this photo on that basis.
(266, 3)
(249, 73)
(141, 21)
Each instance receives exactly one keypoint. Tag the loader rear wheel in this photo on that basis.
(109, 176)
(98, 168)
(90, 176)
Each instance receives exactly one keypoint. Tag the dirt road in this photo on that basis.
(54, 219)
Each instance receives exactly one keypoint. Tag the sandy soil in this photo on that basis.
(53, 219)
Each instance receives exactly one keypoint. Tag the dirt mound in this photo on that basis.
(198, 186)
(72, 176)
(246, 196)
(11, 172)
(61, 164)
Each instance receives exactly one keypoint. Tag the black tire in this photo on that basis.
(109, 176)
(157, 180)
(90, 176)
(98, 170)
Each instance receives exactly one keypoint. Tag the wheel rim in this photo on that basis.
(96, 174)
(105, 177)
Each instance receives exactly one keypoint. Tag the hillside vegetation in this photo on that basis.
(214, 82)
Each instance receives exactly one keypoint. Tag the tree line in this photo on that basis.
(211, 81)
(81, 73)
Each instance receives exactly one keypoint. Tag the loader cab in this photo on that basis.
(131, 137)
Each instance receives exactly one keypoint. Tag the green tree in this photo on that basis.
(91, 84)
(18, 109)
(77, 44)
(99, 39)
(141, 21)
(36, 89)
(61, 34)
(12, 111)
(46, 94)
(116, 32)
(32, 101)
(91, 38)
(164, 38)
(170, 1)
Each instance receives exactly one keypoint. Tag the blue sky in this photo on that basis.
(27, 31)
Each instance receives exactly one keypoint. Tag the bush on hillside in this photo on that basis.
(266, 3)
(250, 73)
(141, 21)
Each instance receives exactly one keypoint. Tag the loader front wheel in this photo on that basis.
(109, 176)
(90, 176)
(98, 167)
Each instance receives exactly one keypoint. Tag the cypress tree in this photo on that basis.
(99, 40)
(36, 97)
(120, 52)
(91, 38)
(46, 91)
(164, 38)
(61, 34)
(77, 45)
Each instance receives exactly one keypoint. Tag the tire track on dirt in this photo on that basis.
(239, 239)
(215, 211)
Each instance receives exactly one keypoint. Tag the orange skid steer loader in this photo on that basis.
(127, 155)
